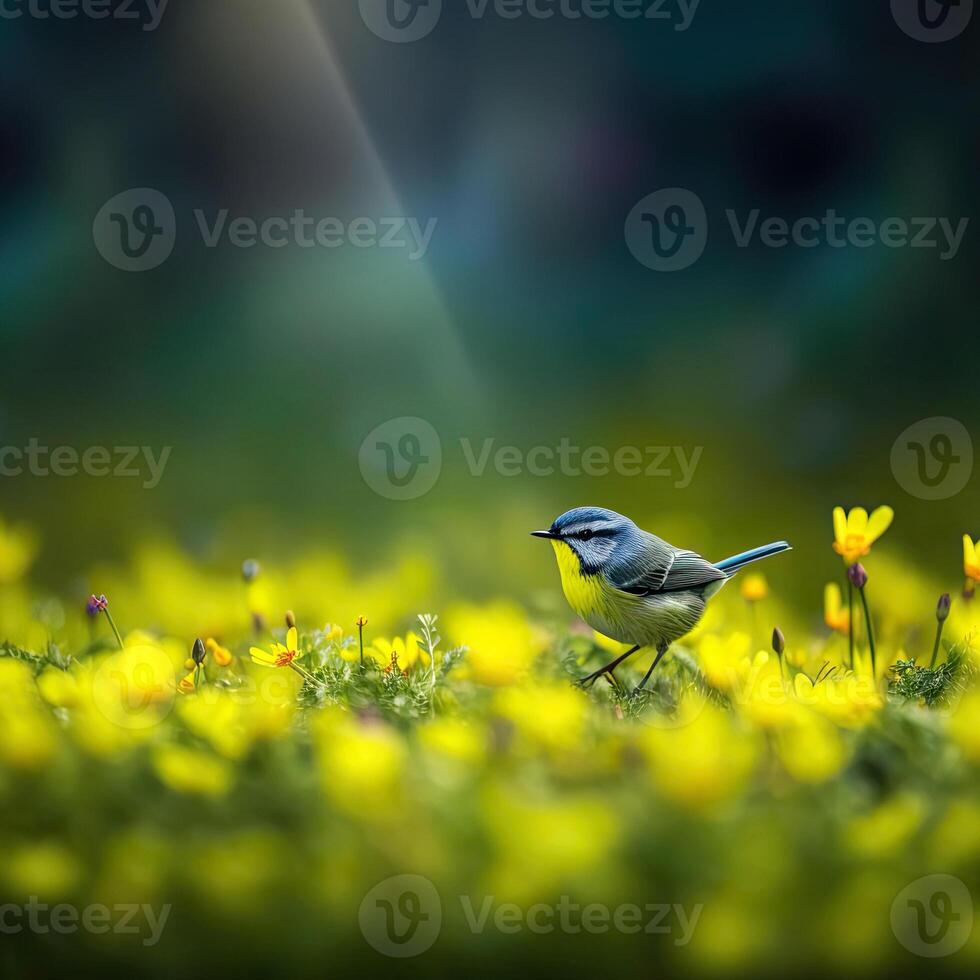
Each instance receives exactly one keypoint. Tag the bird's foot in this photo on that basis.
(586, 682)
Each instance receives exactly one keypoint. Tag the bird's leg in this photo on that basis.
(608, 669)
(661, 650)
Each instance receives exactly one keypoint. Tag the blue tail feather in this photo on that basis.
(731, 565)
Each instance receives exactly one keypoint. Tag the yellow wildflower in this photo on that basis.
(854, 533)
(187, 771)
(835, 615)
(222, 656)
(971, 559)
(403, 651)
(280, 656)
(18, 546)
(754, 588)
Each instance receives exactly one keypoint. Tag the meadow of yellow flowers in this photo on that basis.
(249, 787)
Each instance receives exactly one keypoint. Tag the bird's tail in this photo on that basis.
(731, 565)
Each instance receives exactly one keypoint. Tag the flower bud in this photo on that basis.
(198, 652)
(290, 619)
(96, 604)
(250, 570)
(857, 575)
(778, 641)
(942, 608)
(361, 622)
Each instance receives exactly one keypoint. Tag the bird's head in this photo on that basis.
(592, 534)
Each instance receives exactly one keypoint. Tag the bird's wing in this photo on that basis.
(653, 566)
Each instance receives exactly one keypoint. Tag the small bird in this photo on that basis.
(631, 585)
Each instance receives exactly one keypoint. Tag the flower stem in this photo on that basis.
(360, 642)
(871, 632)
(112, 623)
(850, 622)
(935, 646)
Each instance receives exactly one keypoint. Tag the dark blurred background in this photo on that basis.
(528, 320)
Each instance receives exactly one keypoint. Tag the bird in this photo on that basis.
(634, 587)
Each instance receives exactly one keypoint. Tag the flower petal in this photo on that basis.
(840, 525)
(969, 551)
(857, 521)
(831, 600)
(879, 522)
(292, 639)
(260, 656)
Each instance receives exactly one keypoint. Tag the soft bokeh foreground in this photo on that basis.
(750, 812)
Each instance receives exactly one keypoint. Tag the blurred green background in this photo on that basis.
(528, 321)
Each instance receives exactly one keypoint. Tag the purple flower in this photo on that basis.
(96, 604)
(942, 608)
(857, 575)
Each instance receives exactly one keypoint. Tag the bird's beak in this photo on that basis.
(544, 534)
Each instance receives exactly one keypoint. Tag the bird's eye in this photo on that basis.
(585, 535)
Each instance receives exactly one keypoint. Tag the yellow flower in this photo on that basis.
(971, 558)
(187, 771)
(399, 653)
(281, 656)
(18, 546)
(222, 656)
(500, 641)
(835, 615)
(854, 533)
(754, 588)
(186, 684)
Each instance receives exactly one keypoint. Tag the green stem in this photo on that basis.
(871, 633)
(850, 621)
(935, 646)
(360, 642)
(108, 615)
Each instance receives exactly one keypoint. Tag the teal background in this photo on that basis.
(528, 321)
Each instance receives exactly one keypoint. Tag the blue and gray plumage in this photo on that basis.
(632, 586)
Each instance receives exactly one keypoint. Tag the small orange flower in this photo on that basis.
(222, 656)
(835, 615)
(754, 588)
